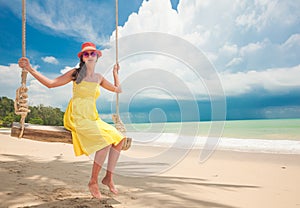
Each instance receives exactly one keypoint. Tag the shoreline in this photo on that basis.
(44, 175)
(252, 145)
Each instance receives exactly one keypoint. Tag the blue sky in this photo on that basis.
(253, 47)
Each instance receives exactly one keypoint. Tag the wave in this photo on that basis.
(173, 140)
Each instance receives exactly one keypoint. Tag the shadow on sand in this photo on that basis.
(24, 176)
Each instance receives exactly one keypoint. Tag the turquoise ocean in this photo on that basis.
(266, 135)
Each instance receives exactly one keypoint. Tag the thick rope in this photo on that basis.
(21, 102)
(116, 117)
(117, 51)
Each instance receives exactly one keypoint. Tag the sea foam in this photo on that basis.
(173, 140)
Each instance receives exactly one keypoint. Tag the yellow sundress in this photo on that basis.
(89, 132)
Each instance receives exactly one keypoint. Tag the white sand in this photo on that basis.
(41, 174)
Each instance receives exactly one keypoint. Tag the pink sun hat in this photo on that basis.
(88, 46)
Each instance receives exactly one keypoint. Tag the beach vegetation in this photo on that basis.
(43, 115)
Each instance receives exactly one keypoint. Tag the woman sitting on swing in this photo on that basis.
(89, 133)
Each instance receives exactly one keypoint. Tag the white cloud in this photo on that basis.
(70, 19)
(234, 62)
(271, 80)
(264, 14)
(247, 20)
(38, 94)
(229, 49)
(264, 54)
(251, 48)
(57, 97)
(292, 41)
(210, 25)
(10, 80)
(153, 16)
(50, 59)
(84, 21)
(220, 29)
(66, 69)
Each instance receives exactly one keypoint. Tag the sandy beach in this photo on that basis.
(44, 175)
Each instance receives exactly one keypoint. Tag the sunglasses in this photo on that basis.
(87, 54)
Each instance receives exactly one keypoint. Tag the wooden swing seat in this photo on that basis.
(50, 134)
(42, 133)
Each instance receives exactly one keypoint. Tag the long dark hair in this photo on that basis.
(75, 74)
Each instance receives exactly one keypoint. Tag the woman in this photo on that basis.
(89, 133)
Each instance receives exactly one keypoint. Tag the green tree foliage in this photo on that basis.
(7, 114)
(45, 115)
(38, 114)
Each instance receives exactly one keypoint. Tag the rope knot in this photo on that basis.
(21, 102)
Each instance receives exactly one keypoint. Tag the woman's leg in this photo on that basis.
(98, 163)
(113, 157)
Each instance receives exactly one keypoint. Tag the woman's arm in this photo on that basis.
(50, 83)
(109, 86)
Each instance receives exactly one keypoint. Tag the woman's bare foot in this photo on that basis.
(110, 184)
(94, 189)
